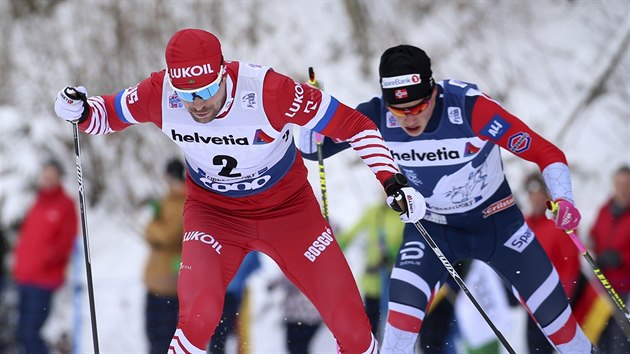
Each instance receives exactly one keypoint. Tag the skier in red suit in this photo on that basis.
(246, 180)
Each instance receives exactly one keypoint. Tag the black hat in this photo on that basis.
(175, 169)
(405, 73)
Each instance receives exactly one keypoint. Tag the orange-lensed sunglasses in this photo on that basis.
(413, 110)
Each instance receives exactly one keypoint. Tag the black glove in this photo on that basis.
(405, 200)
(609, 259)
(392, 185)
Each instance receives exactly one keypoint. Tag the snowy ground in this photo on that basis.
(542, 56)
(118, 255)
(120, 296)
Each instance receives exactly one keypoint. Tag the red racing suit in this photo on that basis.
(247, 190)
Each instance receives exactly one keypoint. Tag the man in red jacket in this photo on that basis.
(41, 254)
(558, 246)
(611, 244)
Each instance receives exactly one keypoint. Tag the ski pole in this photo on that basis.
(76, 95)
(319, 140)
(462, 285)
(553, 207)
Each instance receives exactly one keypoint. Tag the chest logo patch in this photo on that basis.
(248, 100)
(455, 115)
(261, 137)
(174, 102)
(390, 121)
(470, 149)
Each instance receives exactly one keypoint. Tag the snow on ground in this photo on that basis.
(118, 256)
(542, 56)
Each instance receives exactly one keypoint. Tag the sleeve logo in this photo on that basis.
(495, 128)
(519, 142)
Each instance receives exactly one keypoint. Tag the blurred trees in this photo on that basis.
(536, 57)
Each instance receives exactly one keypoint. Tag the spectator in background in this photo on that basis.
(232, 305)
(164, 235)
(4, 331)
(301, 319)
(4, 249)
(382, 229)
(611, 244)
(41, 255)
(560, 249)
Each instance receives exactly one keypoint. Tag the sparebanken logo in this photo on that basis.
(216, 140)
(319, 245)
(399, 81)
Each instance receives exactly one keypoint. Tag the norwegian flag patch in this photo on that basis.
(401, 93)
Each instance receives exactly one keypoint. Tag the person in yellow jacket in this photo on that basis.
(382, 229)
(164, 235)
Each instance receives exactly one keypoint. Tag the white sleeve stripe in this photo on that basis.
(94, 118)
(373, 153)
(378, 156)
(372, 140)
(98, 124)
(368, 141)
(321, 110)
(382, 168)
(90, 128)
(125, 110)
(369, 145)
(181, 344)
(365, 133)
(376, 160)
(104, 124)
(372, 150)
(102, 119)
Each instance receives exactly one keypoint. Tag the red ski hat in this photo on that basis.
(193, 58)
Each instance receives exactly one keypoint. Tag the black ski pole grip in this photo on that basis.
(74, 94)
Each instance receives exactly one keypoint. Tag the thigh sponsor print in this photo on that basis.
(319, 245)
